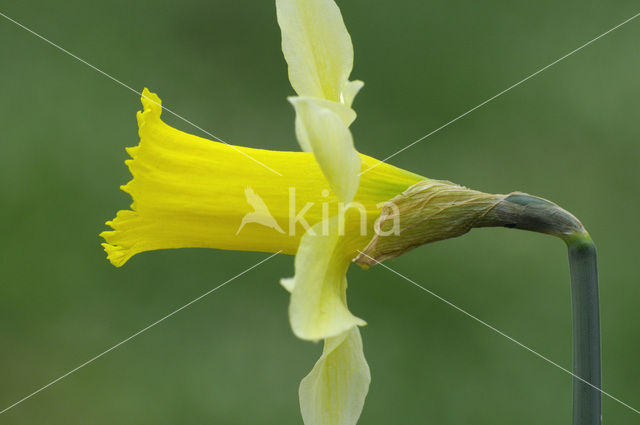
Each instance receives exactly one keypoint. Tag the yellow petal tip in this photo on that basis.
(116, 255)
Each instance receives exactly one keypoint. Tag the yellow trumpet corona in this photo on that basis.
(191, 192)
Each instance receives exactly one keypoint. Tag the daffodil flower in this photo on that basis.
(328, 205)
(192, 192)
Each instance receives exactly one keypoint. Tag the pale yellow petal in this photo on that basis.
(301, 135)
(316, 46)
(288, 283)
(318, 307)
(350, 91)
(326, 134)
(346, 114)
(335, 390)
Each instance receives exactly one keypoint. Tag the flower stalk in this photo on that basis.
(587, 404)
(434, 210)
(522, 211)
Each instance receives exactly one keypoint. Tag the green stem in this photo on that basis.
(526, 212)
(587, 403)
(433, 210)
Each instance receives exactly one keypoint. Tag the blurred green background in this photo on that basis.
(570, 135)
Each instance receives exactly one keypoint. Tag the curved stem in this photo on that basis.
(526, 212)
(434, 210)
(522, 211)
(587, 403)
